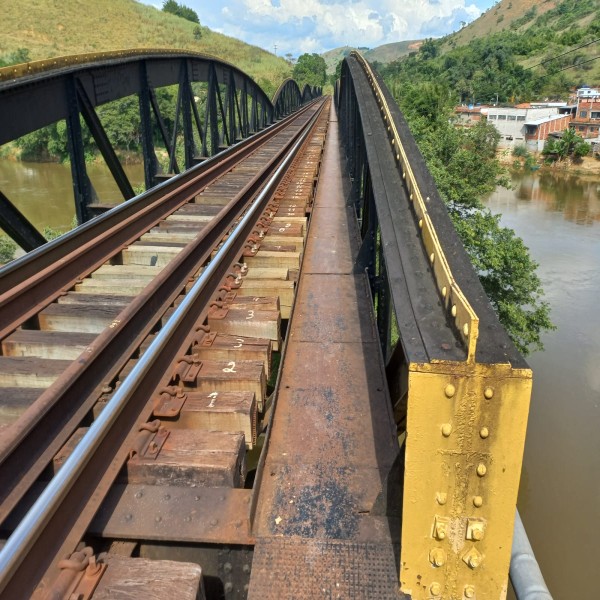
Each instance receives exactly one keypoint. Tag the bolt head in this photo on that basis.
(435, 589)
(437, 557)
(469, 591)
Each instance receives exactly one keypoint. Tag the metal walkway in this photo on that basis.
(322, 528)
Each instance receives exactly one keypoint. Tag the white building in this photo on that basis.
(512, 122)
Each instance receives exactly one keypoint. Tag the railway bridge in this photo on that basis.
(273, 374)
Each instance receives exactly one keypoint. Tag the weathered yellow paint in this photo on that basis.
(462, 470)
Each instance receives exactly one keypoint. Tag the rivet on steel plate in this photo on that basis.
(469, 591)
(477, 501)
(432, 258)
(466, 329)
(435, 589)
(488, 393)
(227, 567)
(441, 498)
(446, 429)
(128, 517)
(453, 311)
(139, 494)
(484, 432)
(450, 390)
(397, 157)
(444, 289)
(158, 519)
(481, 469)
(437, 557)
(393, 141)
(214, 522)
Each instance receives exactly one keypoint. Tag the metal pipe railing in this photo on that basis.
(525, 575)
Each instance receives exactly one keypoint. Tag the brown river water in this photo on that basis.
(559, 219)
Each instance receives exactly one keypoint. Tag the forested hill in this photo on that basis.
(544, 54)
(38, 29)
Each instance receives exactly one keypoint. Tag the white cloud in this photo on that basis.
(298, 26)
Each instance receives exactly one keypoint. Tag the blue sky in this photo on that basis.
(298, 26)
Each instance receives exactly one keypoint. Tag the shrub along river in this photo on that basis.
(558, 216)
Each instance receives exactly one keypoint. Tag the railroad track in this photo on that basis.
(136, 356)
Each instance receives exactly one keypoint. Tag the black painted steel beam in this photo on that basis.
(16, 225)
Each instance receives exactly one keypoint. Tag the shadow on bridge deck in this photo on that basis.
(322, 528)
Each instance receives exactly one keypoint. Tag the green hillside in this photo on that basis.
(382, 54)
(504, 63)
(535, 31)
(48, 28)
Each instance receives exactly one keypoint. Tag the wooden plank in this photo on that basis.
(127, 578)
(46, 344)
(165, 236)
(191, 457)
(15, 401)
(74, 317)
(188, 218)
(267, 273)
(142, 272)
(289, 222)
(28, 372)
(232, 376)
(285, 229)
(250, 322)
(156, 256)
(235, 348)
(219, 411)
(268, 258)
(95, 299)
(287, 240)
(111, 287)
(284, 290)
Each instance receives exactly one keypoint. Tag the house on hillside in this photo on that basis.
(467, 115)
(586, 122)
(528, 124)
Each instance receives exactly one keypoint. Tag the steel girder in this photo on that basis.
(38, 94)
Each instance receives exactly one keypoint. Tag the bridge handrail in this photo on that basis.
(461, 402)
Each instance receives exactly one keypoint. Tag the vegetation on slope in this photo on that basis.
(45, 28)
(464, 166)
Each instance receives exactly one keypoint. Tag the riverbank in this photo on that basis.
(588, 165)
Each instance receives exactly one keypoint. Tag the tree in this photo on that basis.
(310, 69)
(570, 145)
(463, 164)
(170, 6)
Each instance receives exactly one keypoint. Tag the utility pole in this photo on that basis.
(275, 46)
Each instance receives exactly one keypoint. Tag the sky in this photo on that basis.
(299, 26)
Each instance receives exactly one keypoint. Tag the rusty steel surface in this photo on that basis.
(77, 512)
(326, 515)
(60, 408)
(30, 283)
(175, 514)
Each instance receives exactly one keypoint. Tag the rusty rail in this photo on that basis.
(73, 384)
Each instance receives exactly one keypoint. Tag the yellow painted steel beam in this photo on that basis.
(465, 428)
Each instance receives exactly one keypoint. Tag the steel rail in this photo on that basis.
(35, 280)
(59, 409)
(32, 548)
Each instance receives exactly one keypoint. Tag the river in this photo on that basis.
(43, 192)
(559, 219)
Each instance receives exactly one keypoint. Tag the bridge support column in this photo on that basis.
(466, 426)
